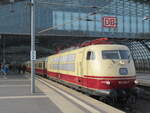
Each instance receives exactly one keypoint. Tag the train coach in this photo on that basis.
(101, 69)
(40, 66)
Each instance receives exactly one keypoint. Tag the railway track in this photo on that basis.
(142, 103)
(145, 92)
(75, 95)
(141, 106)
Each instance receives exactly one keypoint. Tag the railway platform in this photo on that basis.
(143, 79)
(15, 97)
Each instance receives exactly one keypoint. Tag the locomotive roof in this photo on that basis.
(99, 42)
(106, 46)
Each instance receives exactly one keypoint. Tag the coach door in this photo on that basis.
(80, 64)
(44, 68)
(80, 68)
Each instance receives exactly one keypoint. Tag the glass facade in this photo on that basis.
(78, 17)
(130, 20)
(140, 50)
(86, 18)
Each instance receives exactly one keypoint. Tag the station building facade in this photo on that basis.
(84, 18)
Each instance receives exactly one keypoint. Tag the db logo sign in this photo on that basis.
(109, 22)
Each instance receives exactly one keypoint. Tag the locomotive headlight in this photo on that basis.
(121, 62)
(108, 82)
(136, 81)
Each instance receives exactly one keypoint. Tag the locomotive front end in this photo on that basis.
(113, 71)
(119, 72)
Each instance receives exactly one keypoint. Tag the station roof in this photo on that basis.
(7, 1)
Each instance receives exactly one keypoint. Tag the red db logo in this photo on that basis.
(109, 22)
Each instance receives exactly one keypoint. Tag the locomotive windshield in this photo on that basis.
(115, 54)
(124, 54)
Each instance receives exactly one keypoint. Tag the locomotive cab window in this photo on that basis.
(115, 54)
(124, 54)
(110, 54)
(90, 55)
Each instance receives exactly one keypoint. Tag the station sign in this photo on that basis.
(33, 55)
(109, 21)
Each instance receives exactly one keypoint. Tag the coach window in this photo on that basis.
(43, 64)
(40, 65)
(90, 55)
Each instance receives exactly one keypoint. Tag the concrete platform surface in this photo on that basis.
(15, 97)
(72, 101)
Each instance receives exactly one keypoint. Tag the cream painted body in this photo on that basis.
(97, 67)
(39, 63)
(108, 67)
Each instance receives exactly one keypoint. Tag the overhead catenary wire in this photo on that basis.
(66, 4)
(76, 18)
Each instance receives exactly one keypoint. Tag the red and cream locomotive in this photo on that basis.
(98, 68)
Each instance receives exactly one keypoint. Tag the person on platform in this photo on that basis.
(19, 69)
(4, 70)
(0, 69)
(23, 69)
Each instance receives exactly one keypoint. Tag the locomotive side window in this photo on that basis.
(71, 57)
(90, 55)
